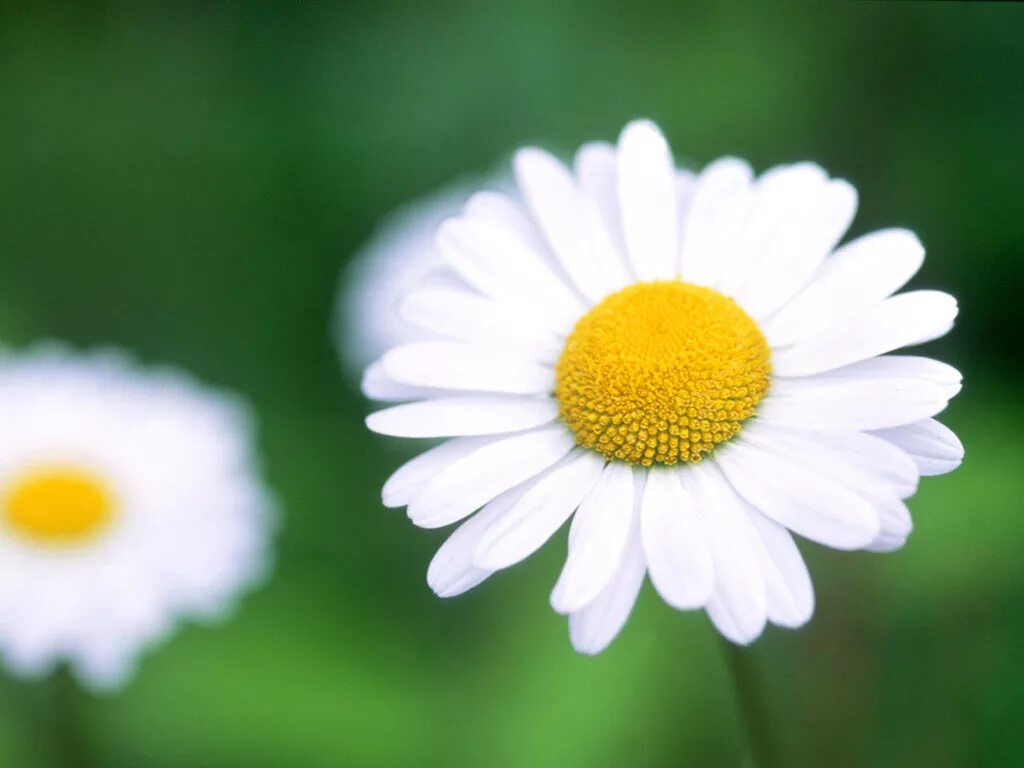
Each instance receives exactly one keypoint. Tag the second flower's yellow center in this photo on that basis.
(661, 373)
(57, 505)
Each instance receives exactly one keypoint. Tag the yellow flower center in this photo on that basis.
(661, 373)
(57, 505)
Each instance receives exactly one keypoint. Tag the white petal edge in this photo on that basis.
(816, 507)
(721, 199)
(857, 276)
(932, 445)
(463, 416)
(472, 481)
(571, 223)
(459, 315)
(592, 629)
(874, 394)
(798, 249)
(597, 539)
(466, 367)
(452, 571)
(540, 512)
(409, 478)
(647, 201)
(738, 606)
(675, 542)
(900, 321)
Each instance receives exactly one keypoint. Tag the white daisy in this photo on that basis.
(685, 365)
(128, 499)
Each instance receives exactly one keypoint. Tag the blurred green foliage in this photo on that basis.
(185, 180)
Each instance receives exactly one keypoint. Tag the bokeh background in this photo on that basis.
(186, 181)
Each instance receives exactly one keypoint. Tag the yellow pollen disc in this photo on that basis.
(661, 373)
(57, 505)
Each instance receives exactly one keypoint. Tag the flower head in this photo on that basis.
(128, 499)
(686, 365)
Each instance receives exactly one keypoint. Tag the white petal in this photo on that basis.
(932, 446)
(647, 201)
(476, 479)
(781, 195)
(873, 394)
(410, 477)
(814, 506)
(471, 415)
(900, 321)
(595, 167)
(451, 365)
(675, 543)
(452, 571)
(572, 224)
(881, 461)
(738, 605)
(597, 539)
(499, 264)
(464, 316)
(721, 199)
(377, 386)
(788, 584)
(503, 211)
(859, 275)
(798, 248)
(896, 527)
(593, 628)
(541, 512)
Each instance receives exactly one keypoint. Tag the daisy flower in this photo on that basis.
(128, 499)
(686, 365)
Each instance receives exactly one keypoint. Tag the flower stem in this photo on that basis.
(69, 730)
(750, 696)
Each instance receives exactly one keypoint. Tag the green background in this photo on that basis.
(186, 181)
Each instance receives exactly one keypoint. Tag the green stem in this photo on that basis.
(69, 731)
(750, 696)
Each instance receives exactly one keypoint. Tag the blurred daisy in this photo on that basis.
(128, 499)
(685, 365)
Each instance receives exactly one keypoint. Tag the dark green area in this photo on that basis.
(186, 180)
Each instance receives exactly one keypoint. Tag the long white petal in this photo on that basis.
(502, 211)
(859, 275)
(466, 367)
(814, 506)
(900, 321)
(409, 478)
(572, 224)
(738, 605)
(647, 200)
(461, 315)
(597, 173)
(798, 248)
(787, 582)
(376, 385)
(675, 542)
(474, 480)
(781, 195)
(541, 512)
(866, 453)
(933, 446)
(452, 571)
(721, 200)
(875, 394)
(471, 415)
(500, 265)
(592, 629)
(597, 539)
